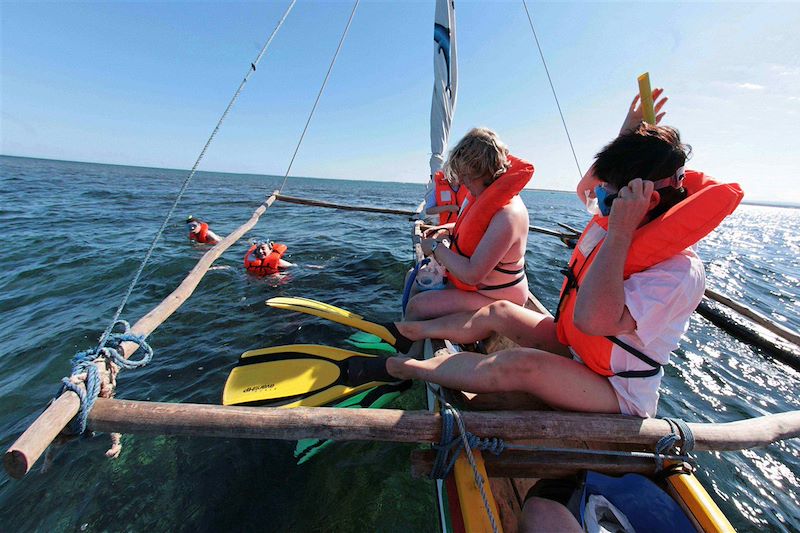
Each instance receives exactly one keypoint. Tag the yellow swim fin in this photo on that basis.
(313, 304)
(334, 314)
(302, 375)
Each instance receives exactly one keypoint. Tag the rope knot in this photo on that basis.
(94, 371)
(680, 439)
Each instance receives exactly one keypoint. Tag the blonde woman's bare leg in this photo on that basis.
(433, 304)
(523, 326)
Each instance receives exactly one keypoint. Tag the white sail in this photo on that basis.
(445, 71)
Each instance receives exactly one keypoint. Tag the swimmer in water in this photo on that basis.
(265, 257)
(200, 233)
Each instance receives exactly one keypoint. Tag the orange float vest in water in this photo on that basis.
(474, 219)
(707, 205)
(445, 195)
(266, 266)
(202, 236)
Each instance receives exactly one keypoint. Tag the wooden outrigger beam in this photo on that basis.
(21, 456)
(329, 205)
(756, 317)
(393, 425)
(128, 416)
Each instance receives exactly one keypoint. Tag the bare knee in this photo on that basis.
(540, 514)
(499, 308)
(413, 309)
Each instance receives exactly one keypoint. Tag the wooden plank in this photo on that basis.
(520, 464)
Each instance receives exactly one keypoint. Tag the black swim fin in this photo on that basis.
(307, 375)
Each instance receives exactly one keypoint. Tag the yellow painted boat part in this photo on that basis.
(699, 503)
(646, 97)
(469, 496)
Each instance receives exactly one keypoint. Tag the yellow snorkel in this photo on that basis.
(646, 97)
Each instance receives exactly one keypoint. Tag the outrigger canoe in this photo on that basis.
(511, 475)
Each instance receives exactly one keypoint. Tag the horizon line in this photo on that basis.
(765, 203)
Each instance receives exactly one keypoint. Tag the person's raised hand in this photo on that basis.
(636, 114)
(630, 206)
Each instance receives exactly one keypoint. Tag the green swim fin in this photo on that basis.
(376, 348)
(360, 336)
(302, 375)
(336, 314)
(366, 342)
(374, 398)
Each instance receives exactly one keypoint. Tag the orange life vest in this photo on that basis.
(202, 236)
(707, 205)
(266, 266)
(445, 195)
(474, 219)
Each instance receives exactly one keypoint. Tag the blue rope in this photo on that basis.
(84, 363)
(448, 449)
(410, 283)
(679, 432)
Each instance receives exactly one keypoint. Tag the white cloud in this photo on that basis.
(750, 86)
(784, 70)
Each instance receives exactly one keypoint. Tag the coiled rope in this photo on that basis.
(85, 369)
(86, 365)
(552, 88)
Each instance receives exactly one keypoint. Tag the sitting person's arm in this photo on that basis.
(433, 232)
(600, 305)
(496, 242)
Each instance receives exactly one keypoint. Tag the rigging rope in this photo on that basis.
(552, 88)
(251, 69)
(85, 364)
(319, 94)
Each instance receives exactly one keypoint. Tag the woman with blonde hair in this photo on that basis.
(484, 253)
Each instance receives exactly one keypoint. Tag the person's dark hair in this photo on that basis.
(648, 152)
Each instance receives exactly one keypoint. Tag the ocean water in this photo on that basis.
(75, 232)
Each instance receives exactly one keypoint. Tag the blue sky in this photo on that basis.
(143, 83)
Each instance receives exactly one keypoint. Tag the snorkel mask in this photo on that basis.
(605, 198)
(192, 224)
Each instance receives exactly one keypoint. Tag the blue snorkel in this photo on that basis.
(605, 199)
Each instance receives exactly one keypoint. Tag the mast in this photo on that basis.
(445, 84)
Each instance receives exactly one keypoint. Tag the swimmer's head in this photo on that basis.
(193, 224)
(263, 249)
(477, 160)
